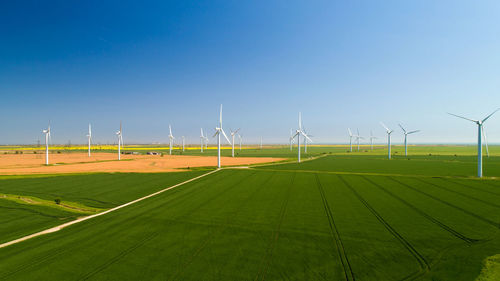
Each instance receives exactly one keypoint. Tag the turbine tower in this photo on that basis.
(298, 133)
(202, 139)
(89, 137)
(480, 134)
(233, 135)
(389, 132)
(120, 141)
(183, 143)
(350, 139)
(218, 132)
(371, 139)
(406, 137)
(261, 143)
(47, 139)
(171, 139)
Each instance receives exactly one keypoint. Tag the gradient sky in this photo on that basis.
(342, 63)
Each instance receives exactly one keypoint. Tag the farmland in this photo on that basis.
(342, 216)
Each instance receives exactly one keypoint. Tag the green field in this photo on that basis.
(342, 216)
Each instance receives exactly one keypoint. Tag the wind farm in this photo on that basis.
(329, 140)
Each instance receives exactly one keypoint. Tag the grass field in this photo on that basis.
(343, 216)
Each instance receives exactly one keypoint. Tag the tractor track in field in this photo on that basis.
(488, 221)
(119, 256)
(182, 269)
(459, 193)
(424, 265)
(348, 272)
(264, 268)
(473, 187)
(424, 214)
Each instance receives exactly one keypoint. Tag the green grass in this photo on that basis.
(260, 224)
(344, 216)
(438, 165)
(81, 194)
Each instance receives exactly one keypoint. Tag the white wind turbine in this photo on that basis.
(47, 139)
(389, 132)
(306, 137)
(89, 137)
(120, 140)
(171, 139)
(239, 136)
(206, 141)
(261, 143)
(218, 132)
(183, 143)
(406, 137)
(350, 139)
(480, 134)
(202, 139)
(371, 139)
(233, 135)
(292, 139)
(298, 133)
(358, 137)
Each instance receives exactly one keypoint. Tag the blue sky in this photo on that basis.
(154, 63)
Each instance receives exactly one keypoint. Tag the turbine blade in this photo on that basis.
(402, 128)
(475, 121)
(225, 136)
(412, 132)
(486, 142)
(220, 116)
(385, 127)
(490, 115)
(349, 130)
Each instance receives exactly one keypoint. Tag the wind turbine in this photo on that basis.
(239, 136)
(406, 136)
(371, 139)
(232, 135)
(89, 137)
(350, 139)
(202, 139)
(47, 138)
(171, 139)
(183, 142)
(120, 141)
(298, 133)
(389, 132)
(218, 131)
(291, 139)
(358, 137)
(480, 133)
(305, 140)
(206, 141)
(261, 143)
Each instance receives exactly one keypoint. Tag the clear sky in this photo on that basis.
(154, 63)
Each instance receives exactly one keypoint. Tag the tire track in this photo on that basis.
(264, 269)
(424, 214)
(473, 187)
(488, 221)
(424, 265)
(459, 193)
(348, 273)
(120, 256)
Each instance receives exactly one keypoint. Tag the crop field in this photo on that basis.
(340, 216)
